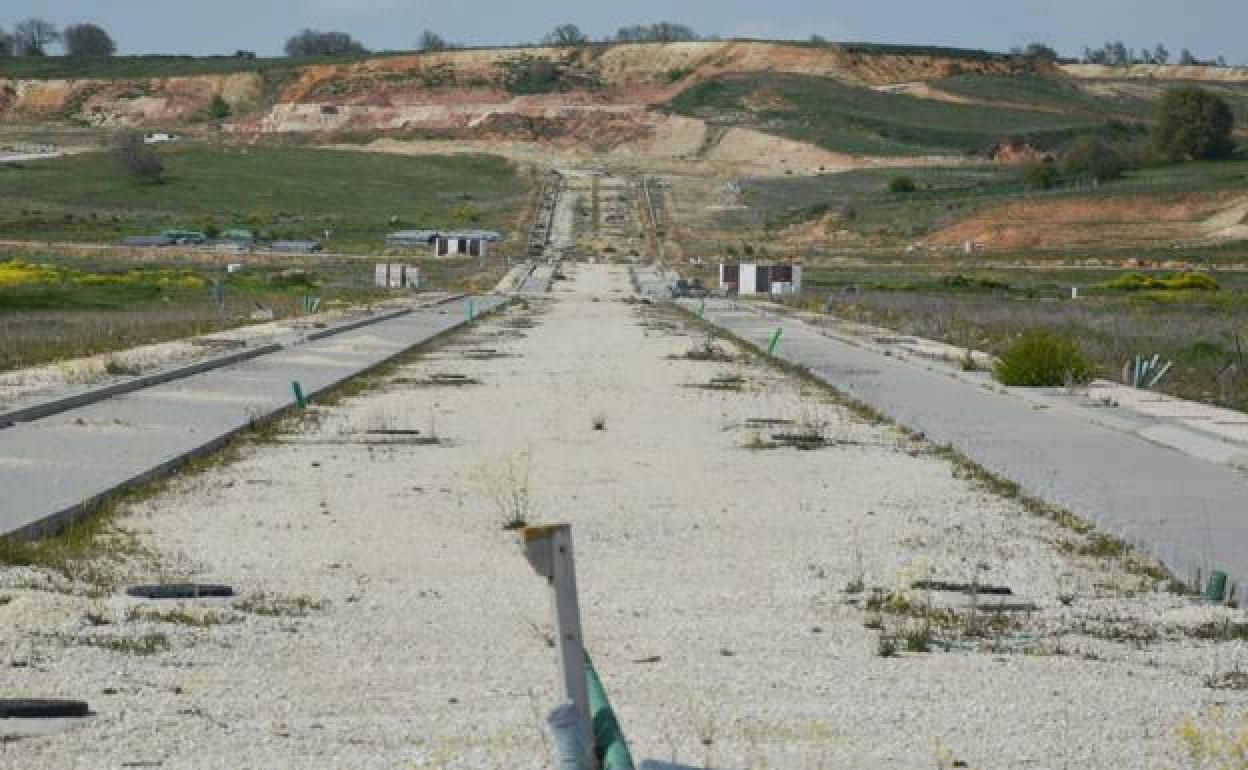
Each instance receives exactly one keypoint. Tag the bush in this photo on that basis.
(1042, 359)
(220, 108)
(902, 184)
(138, 159)
(1193, 124)
(1090, 158)
(1041, 175)
(1175, 282)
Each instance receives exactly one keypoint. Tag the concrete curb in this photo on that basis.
(49, 408)
(56, 406)
(51, 524)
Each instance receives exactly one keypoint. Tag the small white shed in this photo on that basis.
(397, 276)
(749, 279)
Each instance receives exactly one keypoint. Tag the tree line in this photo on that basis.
(1117, 53)
(32, 37)
(312, 42)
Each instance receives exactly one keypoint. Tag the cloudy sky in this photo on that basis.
(1207, 27)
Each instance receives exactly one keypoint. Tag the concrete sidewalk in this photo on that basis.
(51, 467)
(1190, 512)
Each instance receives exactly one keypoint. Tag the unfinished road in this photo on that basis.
(748, 604)
(51, 467)
(1185, 510)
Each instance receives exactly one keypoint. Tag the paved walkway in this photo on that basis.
(50, 467)
(1190, 512)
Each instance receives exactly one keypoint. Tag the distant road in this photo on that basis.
(24, 157)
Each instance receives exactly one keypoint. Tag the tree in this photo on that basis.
(88, 40)
(1040, 51)
(1091, 158)
(6, 43)
(311, 42)
(431, 42)
(567, 35)
(1193, 124)
(138, 159)
(1186, 59)
(1161, 54)
(662, 32)
(669, 32)
(33, 36)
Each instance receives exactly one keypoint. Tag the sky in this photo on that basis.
(1207, 27)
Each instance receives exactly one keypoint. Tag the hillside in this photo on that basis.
(595, 94)
(838, 106)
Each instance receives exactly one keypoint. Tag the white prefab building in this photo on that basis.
(396, 276)
(748, 280)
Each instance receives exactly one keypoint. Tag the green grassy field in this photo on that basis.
(860, 120)
(279, 192)
(1045, 93)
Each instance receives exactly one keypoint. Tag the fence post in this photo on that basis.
(549, 551)
(300, 400)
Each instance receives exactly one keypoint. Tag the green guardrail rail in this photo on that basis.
(609, 741)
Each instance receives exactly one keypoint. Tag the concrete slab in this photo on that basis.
(1187, 509)
(51, 467)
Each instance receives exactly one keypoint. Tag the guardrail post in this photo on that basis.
(549, 551)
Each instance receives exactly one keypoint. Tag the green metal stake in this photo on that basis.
(609, 742)
(775, 340)
(702, 310)
(471, 309)
(299, 398)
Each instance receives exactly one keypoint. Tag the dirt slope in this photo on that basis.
(1075, 222)
(1156, 72)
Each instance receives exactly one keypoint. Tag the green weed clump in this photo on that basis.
(1175, 282)
(1042, 359)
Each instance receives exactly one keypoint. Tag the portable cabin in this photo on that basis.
(749, 279)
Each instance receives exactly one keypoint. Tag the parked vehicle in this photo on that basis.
(689, 289)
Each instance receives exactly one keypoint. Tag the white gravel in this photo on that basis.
(728, 565)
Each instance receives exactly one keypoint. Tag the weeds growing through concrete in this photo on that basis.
(179, 617)
(508, 488)
(280, 607)
(143, 644)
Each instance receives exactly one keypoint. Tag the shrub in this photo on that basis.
(1176, 282)
(902, 184)
(1041, 175)
(138, 159)
(1090, 158)
(220, 108)
(1042, 359)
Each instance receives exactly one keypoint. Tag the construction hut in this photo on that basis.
(446, 243)
(747, 280)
